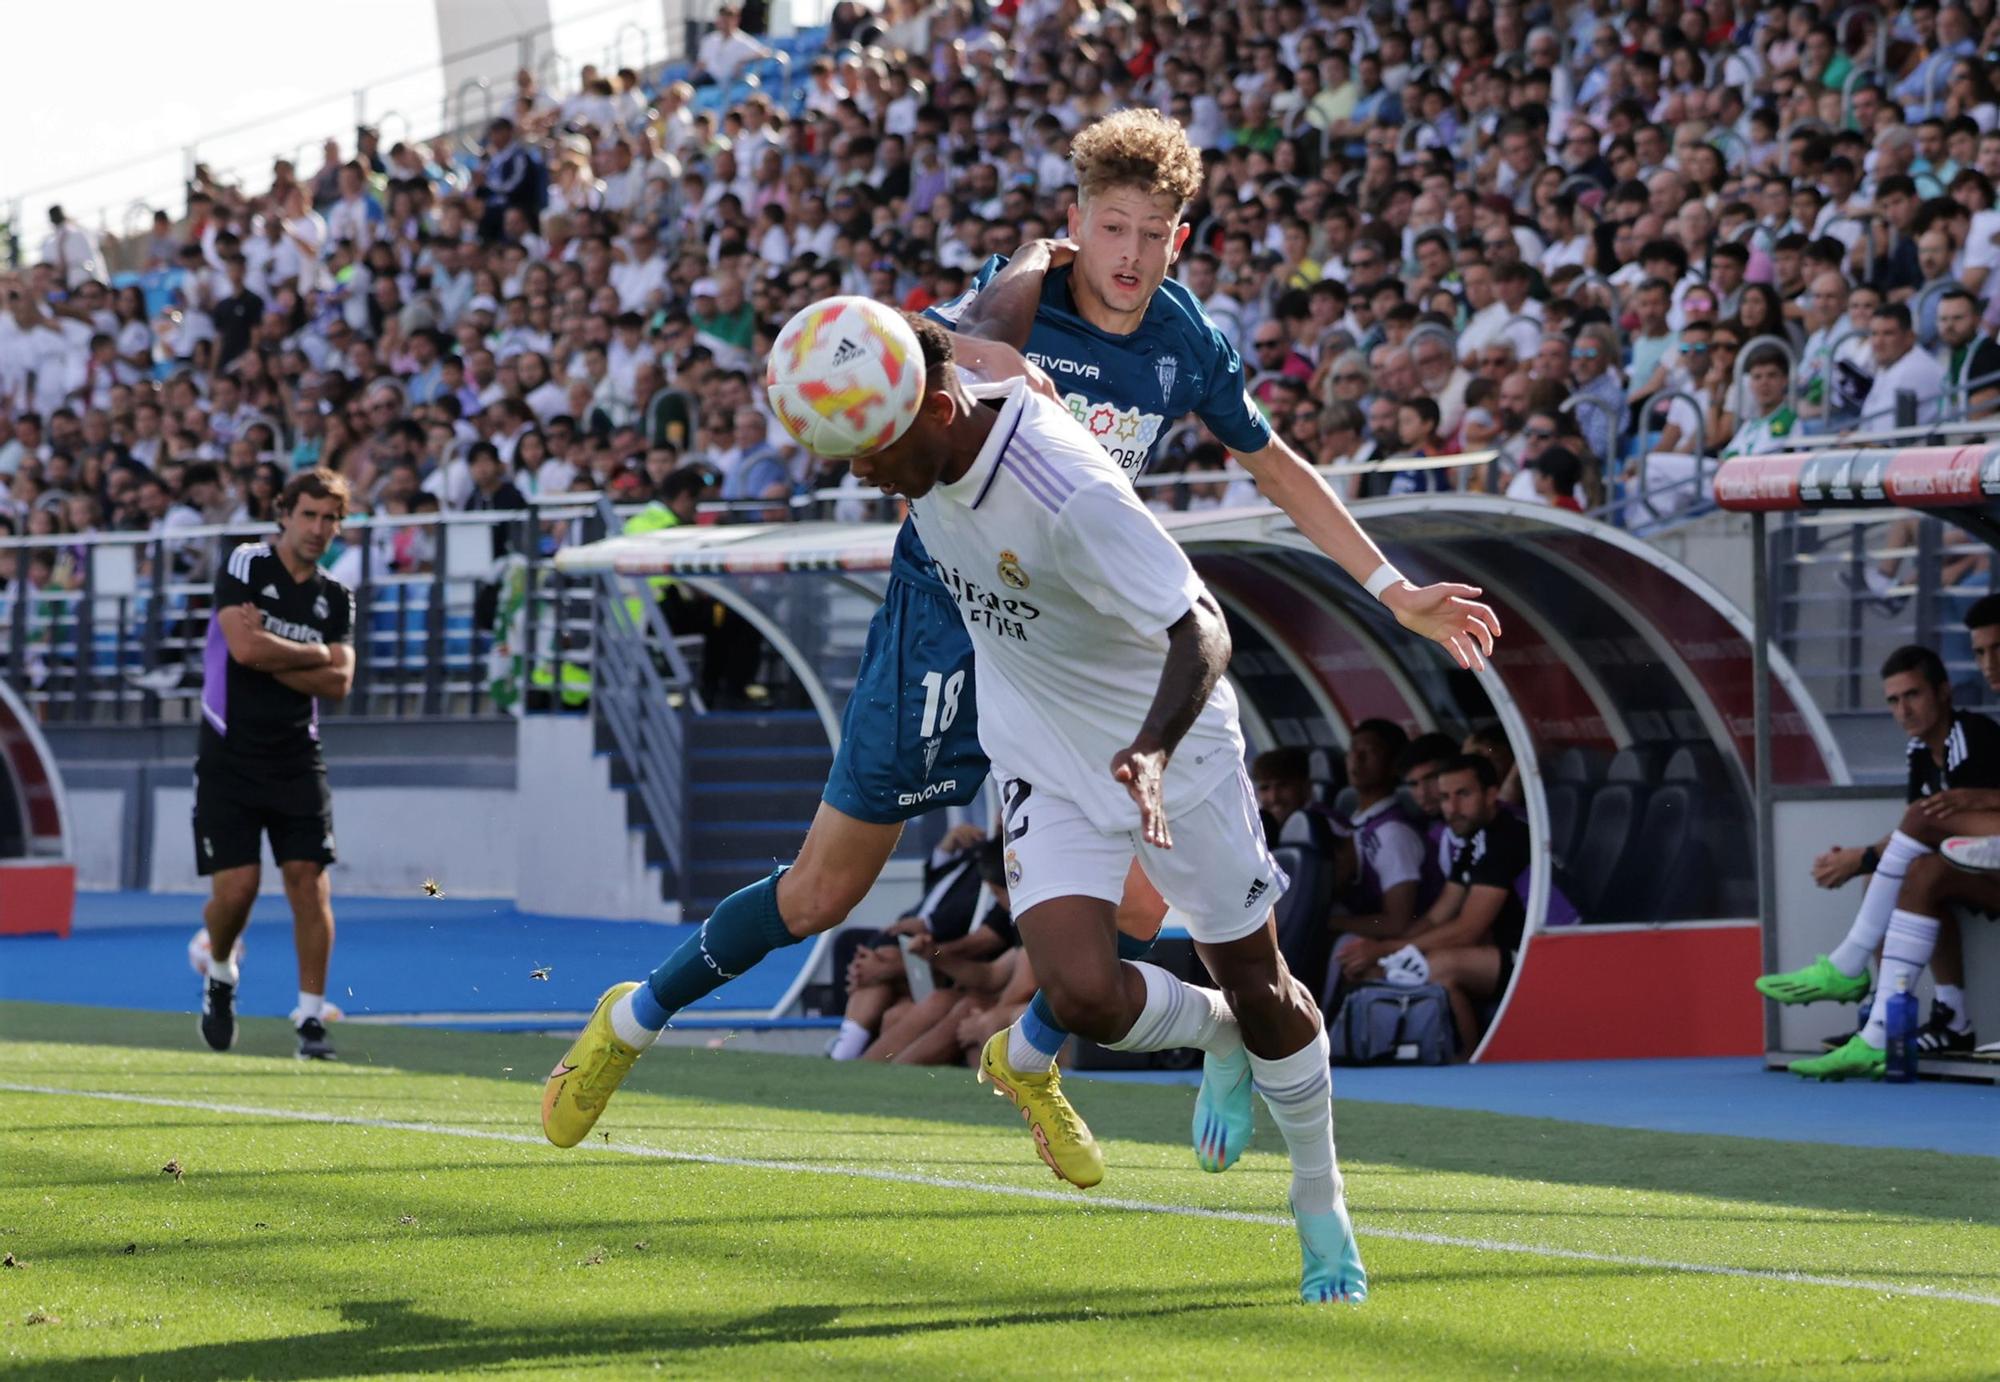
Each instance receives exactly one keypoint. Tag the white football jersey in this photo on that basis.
(1068, 584)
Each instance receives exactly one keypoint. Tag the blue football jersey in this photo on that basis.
(1126, 391)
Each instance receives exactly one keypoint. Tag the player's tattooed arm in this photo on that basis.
(1197, 652)
(256, 647)
(1004, 310)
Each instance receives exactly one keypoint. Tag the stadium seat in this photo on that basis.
(1722, 824)
(1664, 876)
(804, 43)
(1698, 764)
(1637, 763)
(1608, 833)
(1303, 935)
(1328, 769)
(1576, 764)
(1566, 802)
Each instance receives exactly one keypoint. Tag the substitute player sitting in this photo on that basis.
(281, 638)
(1113, 735)
(1470, 938)
(1954, 789)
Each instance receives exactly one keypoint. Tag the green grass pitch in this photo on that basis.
(884, 1229)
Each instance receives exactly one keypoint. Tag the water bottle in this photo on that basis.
(1902, 1023)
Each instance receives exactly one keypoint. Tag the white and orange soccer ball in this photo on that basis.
(845, 377)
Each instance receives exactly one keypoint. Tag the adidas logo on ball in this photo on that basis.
(847, 353)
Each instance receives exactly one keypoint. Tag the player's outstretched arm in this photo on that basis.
(1446, 613)
(1004, 310)
(1197, 652)
(256, 647)
(329, 683)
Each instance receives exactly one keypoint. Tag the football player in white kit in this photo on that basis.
(1112, 733)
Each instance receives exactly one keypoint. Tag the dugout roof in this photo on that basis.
(1609, 646)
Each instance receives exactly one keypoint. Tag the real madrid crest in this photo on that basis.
(1012, 574)
(1013, 869)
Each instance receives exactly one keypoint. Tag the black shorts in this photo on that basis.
(238, 801)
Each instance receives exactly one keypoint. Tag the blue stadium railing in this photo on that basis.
(110, 627)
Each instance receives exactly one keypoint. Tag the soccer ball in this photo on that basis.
(845, 377)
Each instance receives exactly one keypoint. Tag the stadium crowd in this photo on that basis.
(1599, 240)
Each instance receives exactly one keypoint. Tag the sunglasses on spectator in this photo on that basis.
(1695, 348)
(1363, 262)
(1584, 353)
(1539, 433)
(1269, 345)
(1491, 245)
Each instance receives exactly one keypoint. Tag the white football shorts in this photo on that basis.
(1219, 879)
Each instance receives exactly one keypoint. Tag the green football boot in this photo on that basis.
(1855, 1061)
(1818, 982)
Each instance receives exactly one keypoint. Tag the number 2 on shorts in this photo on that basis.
(934, 682)
(1014, 795)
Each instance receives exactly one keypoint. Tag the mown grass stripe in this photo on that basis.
(1064, 1197)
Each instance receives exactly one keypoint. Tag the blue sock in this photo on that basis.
(1038, 1023)
(743, 929)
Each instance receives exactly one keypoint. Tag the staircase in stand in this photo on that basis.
(753, 782)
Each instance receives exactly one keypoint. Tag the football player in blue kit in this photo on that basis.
(1130, 352)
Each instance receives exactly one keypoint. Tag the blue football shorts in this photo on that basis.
(909, 738)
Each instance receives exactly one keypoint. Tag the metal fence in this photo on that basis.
(1850, 586)
(456, 614)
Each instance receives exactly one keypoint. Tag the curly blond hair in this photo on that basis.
(1137, 148)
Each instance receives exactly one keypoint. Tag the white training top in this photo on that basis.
(1068, 584)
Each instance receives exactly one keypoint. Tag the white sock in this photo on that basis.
(851, 1042)
(1298, 1089)
(310, 1005)
(626, 1026)
(1179, 1014)
(222, 971)
(1024, 1055)
(1906, 949)
(1953, 997)
(1851, 956)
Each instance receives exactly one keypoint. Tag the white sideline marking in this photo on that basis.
(1070, 1198)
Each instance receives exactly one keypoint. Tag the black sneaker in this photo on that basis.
(313, 1044)
(1937, 1039)
(218, 1014)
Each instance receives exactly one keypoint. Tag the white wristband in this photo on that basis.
(1385, 576)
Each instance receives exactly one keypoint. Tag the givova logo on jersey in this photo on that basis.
(1127, 434)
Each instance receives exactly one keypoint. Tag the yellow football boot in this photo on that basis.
(587, 1076)
(1061, 1137)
